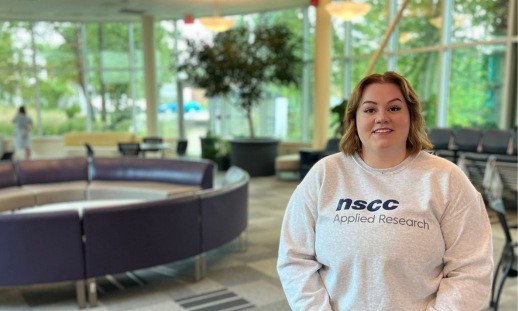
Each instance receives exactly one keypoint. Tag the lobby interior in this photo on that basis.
(237, 279)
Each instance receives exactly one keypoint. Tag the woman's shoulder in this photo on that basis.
(441, 166)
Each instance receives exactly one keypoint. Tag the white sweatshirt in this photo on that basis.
(412, 237)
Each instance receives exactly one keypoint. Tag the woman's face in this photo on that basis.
(383, 120)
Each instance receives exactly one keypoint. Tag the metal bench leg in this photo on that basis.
(242, 241)
(92, 292)
(80, 294)
(200, 266)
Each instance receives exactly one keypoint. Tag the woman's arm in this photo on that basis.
(468, 262)
(296, 265)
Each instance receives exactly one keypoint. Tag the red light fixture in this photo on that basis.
(188, 19)
(313, 3)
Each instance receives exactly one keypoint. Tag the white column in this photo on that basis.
(348, 64)
(322, 75)
(148, 45)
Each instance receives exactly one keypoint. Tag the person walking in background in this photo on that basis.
(384, 225)
(22, 129)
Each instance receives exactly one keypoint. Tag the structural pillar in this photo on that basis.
(322, 75)
(148, 45)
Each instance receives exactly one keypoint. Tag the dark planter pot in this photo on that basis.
(255, 155)
(208, 148)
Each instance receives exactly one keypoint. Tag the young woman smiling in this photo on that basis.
(343, 247)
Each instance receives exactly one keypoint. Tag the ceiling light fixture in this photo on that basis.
(217, 23)
(348, 10)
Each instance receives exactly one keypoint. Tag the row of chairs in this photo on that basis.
(451, 145)
(500, 184)
(135, 149)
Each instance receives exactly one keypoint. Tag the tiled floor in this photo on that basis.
(237, 280)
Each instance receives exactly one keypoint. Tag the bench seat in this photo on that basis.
(12, 198)
(147, 190)
(58, 192)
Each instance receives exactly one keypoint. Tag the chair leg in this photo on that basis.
(501, 286)
(493, 287)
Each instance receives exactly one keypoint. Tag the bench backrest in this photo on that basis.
(196, 173)
(51, 170)
(224, 212)
(140, 235)
(8, 176)
(40, 248)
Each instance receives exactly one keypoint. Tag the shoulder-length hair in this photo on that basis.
(417, 138)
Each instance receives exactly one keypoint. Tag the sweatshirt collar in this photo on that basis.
(385, 171)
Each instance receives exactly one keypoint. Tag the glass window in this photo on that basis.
(360, 66)
(476, 86)
(368, 31)
(421, 70)
(480, 20)
(418, 26)
(57, 45)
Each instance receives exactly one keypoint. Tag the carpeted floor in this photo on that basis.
(235, 280)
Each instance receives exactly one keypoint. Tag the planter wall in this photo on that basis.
(256, 156)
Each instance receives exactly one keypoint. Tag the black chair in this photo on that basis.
(181, 147)
(474, 163)
(89, 151)
(7, 156)
(129, 149)
(308, 157)
(152, 140)
(507, 262)
(441, 139)
(467, 140)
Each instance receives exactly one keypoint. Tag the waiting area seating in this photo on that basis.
(299, 164)
(103, 143)
(501, 188)
(41, 246)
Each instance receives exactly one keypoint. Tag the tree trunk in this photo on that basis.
(250, 124)
(101, 75)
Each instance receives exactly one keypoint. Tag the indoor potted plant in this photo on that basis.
(242, 62)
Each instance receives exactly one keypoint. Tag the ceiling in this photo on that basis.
(131, 10)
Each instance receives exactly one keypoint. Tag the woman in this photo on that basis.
(23, 127)
(384, 225)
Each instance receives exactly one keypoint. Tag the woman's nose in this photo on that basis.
(381, 117)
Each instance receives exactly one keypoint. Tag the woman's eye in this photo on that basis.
(395, 108)
(369, 110)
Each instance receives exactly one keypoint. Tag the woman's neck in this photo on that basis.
(384, 159)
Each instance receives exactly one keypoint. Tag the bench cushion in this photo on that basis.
(12, 198)
(287, 162)
(58, 192)
(148, 190)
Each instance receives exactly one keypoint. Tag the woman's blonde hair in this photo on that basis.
(417, 138)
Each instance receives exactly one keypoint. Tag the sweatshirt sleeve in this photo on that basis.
(467, 259)
(297, 266)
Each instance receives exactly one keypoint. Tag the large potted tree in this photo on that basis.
(242, 62)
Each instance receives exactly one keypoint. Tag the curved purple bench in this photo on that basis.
(121, 238)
